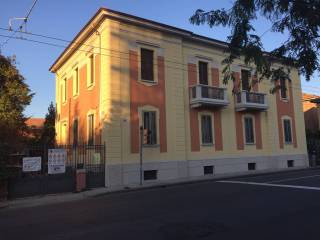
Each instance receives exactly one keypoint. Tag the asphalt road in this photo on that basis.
(274, 206)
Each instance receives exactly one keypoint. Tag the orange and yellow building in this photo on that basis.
(122, 72)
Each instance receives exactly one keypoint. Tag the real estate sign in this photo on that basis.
(57, 161)
(31, 164)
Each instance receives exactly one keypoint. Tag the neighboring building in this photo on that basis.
(311, 112)
(35, 127)
(121, 72)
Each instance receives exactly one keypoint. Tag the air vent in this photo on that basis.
(150, 175)
(208, 170)
(290, 163)
(251, 166)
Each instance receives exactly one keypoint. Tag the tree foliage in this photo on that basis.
(300, 18)
(15, 95)
(49, 133)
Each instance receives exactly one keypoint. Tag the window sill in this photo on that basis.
(148, 83)
(91, 86)
(75, 96)
(284, 99)
(288, 143)
(151, 145)
(207, 144)
(250, 144)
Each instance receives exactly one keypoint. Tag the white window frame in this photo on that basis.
(253, 129)
(200, 128)
(155, 64)
(287, 91)
(210, 66)
(149, 108)
(287, 118)
(64, 93)
(91, 112)
(91, 75)
(75, 81)
(64, 131)
(75, 119)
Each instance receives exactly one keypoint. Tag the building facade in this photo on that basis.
(311, 112)
(122, 72)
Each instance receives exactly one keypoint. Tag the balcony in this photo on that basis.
(203, 95)
(246, 101)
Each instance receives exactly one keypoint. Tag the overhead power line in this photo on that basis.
(77, 44)
(25, 20)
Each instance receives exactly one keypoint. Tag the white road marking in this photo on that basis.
(272, 185)
(293, 179)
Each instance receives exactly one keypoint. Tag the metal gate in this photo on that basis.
(88, 157)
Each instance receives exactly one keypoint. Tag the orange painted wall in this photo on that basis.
(239, 118)
(80, 105)
(141, 95)
(286, 108)
(194, 122)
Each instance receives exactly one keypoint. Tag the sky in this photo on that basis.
(64, 19)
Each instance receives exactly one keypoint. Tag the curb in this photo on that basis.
(98, 192)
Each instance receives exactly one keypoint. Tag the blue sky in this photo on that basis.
(64, 19)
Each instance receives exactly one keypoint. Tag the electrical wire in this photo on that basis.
(98, 53)
(20, 27)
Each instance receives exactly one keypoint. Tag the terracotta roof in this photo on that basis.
(307, 96)
(35, 122)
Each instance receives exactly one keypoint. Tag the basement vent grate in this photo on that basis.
(251, 166)
(208, 170)
(150, 175)
(290, 163)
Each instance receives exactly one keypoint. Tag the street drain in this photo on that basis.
(191, 230)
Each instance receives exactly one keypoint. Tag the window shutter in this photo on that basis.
(147, 65)
(203, 73)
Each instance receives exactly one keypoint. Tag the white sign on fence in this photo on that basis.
(31, 164)
(57, 161)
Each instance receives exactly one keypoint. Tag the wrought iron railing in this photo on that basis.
(203, 91)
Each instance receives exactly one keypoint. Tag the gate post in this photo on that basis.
(80, 180)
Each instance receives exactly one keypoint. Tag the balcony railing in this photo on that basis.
(251, 101)
(203, 95)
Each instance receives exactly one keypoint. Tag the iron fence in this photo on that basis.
(88, 157)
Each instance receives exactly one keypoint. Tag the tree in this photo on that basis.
(49, 133)
(15, 95)
(301, 19)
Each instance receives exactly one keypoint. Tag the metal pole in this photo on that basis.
(141, 148)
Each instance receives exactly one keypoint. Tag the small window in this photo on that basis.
(150, 175)
(206, 129)
(245, 76)
(64, 132)
(149, 124)
(75, 132)
(249, 131)
(203, 73)
(91, 70)
(283, 89)
(208, 170)
(147, 73)
(76, 82)
(90, 129)
(290, 163)
(64, 90)
(287, 131)
(251, 166)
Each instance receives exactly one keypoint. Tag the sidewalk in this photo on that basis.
(68, 197)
